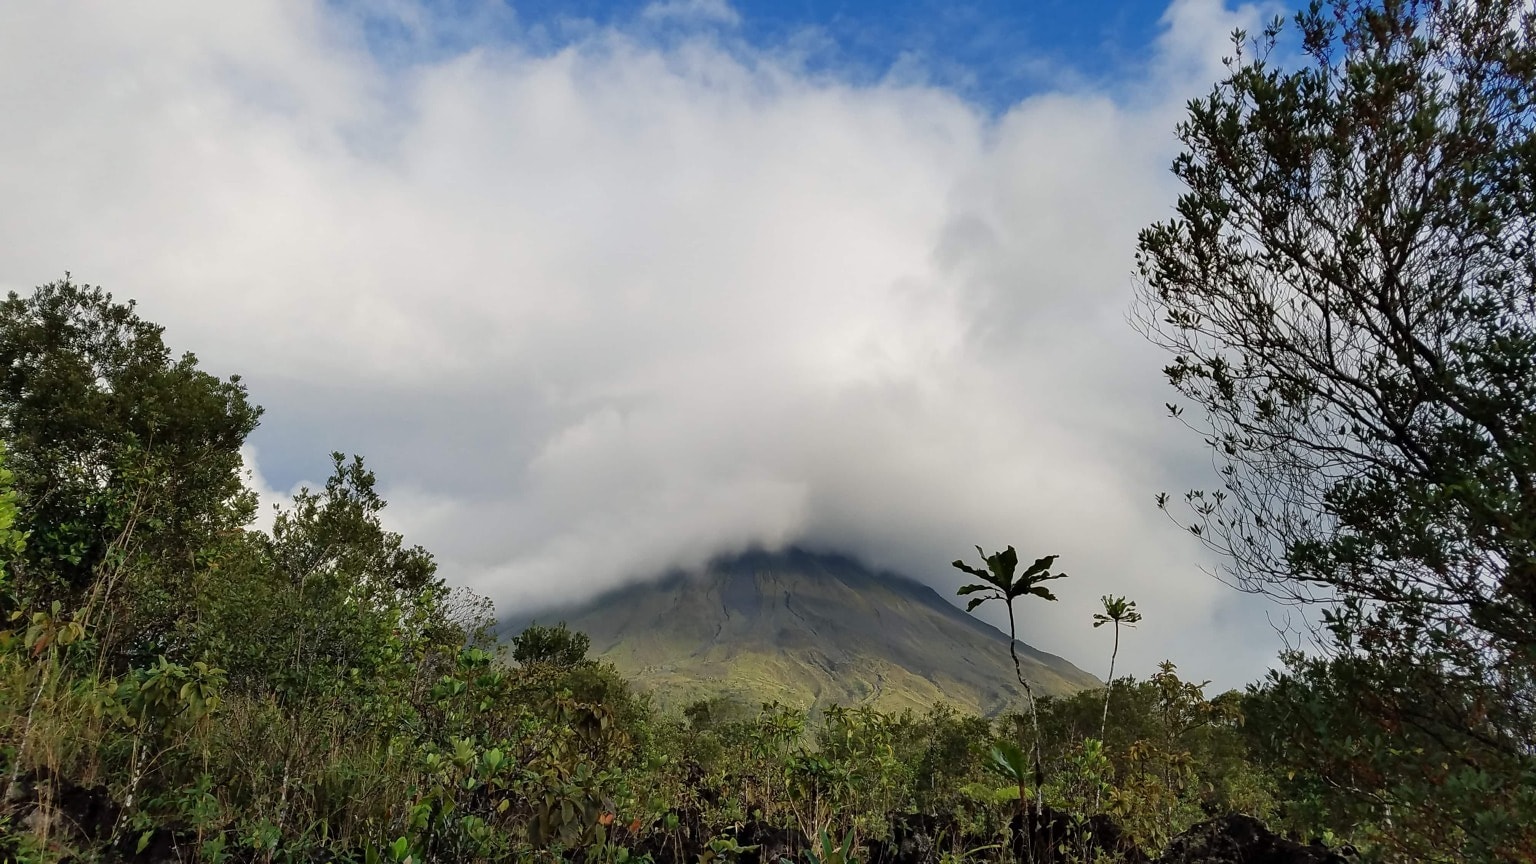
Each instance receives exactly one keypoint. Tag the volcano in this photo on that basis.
(809, 629)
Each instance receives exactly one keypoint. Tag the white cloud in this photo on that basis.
(268, 499)
(598, 312)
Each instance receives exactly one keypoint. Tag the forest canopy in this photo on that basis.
(1348, 291)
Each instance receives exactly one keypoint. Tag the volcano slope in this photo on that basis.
(808, 629)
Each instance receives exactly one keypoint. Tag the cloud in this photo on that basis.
(596, 311)
(267, 498)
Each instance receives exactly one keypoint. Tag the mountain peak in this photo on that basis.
(809, 628)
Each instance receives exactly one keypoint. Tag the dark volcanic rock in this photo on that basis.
(88, 814)
(773, 844)
(90, 811)
(1239, 839)
(1058, 838)
(916, 838)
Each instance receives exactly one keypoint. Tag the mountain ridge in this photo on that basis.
(808, 627)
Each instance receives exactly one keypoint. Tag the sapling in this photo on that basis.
(1120, 612)
(1000, 582)
(1008, 761)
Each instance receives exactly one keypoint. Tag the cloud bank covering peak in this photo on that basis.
(605, 306)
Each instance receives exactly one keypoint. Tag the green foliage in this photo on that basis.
(1464, 798)
(1121, 613)
(1117, 611)
(12, 543)
(831, 852)
(13, 540)
(1168, 757)
(724, 849)
(318, 693)
(556, 645)
(1345, 292)
(1008, 760)
(126, 460)
(1000, 581)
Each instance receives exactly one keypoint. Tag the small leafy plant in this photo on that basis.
(832, 852)
(1001, 581)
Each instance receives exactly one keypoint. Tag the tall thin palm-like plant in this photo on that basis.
(1121, 613)
(1002, 581)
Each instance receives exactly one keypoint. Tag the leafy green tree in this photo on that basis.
(945, 750)
(295, 696)
(1001, 581)
(354, 619)
(714, 711)
(1346, 291)
(558, 645)
(125, 457)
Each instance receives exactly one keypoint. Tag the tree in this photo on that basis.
(355, 587)
(558, 645)
(1000, 581)
(1347, 292)
(1121, 613)
(121, 452)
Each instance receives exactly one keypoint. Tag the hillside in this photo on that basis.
(808, 628)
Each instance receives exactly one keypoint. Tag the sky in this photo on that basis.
(602, 289)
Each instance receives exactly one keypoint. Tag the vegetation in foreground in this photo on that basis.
(177, 686)
(1346, 291)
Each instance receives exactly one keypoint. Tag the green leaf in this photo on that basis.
(982, 574)
(1040, 566)
(1009, 761)
(1003, 565)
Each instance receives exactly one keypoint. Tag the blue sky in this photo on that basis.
(994, 51)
